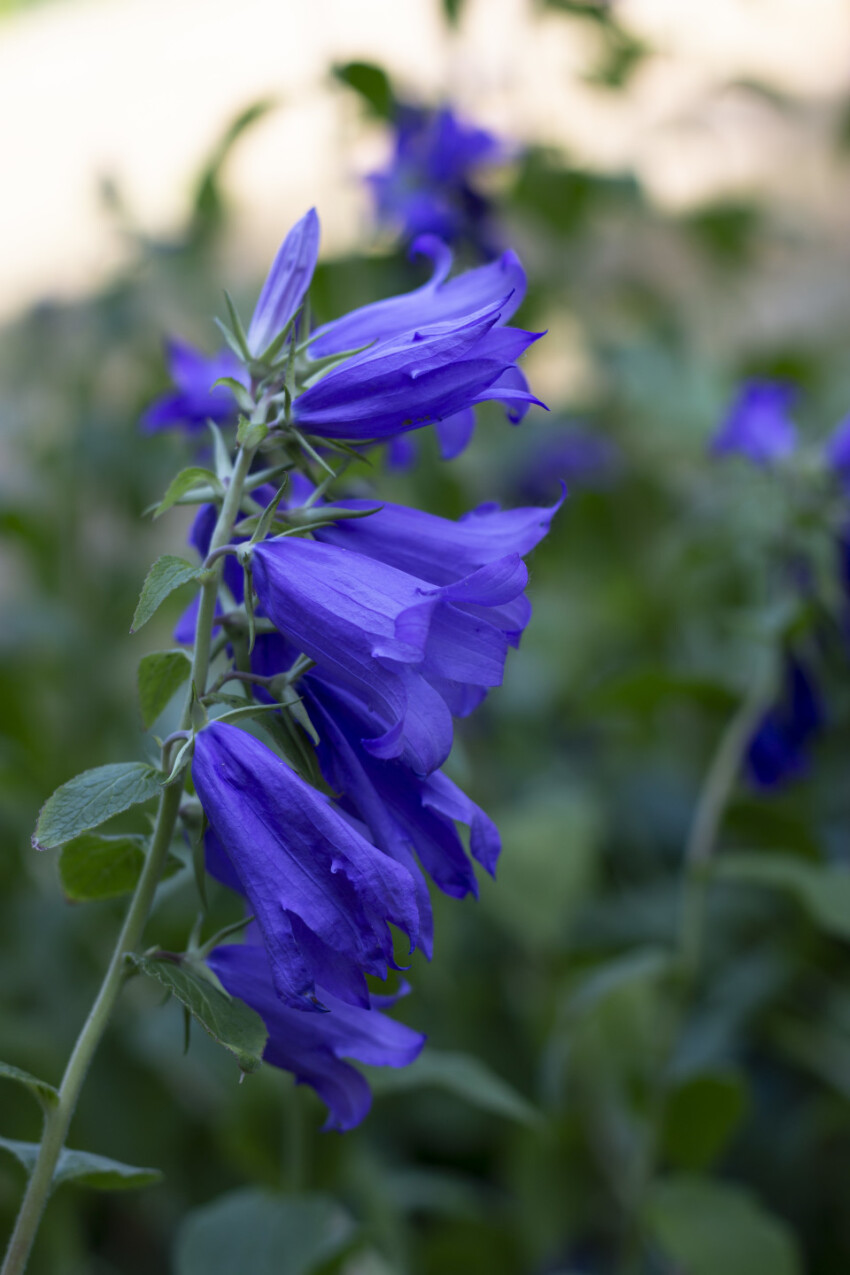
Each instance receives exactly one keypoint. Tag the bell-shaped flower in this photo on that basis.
(196, 398)
(778, 749)
(416, 379)
(321, 893)
(313, 1046)
(758, 425)
(286, 284)
(406, 648)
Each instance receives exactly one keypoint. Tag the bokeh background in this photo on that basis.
(678, 191)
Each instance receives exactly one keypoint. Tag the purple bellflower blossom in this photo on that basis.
(313, 1046)
(837, 452)
(429, 184)
(757, 425)
(321, 893)
(286, 283)
(195, 398)
(778, 750)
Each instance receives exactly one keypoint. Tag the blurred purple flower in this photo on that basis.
(778, 750)
(194, 401)
(758, 425)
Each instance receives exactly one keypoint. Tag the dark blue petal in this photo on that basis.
(286, 284)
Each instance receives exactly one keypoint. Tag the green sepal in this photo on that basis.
(239, 334)
(181, 761)
(45, 1094)
(84, 1168)
(296, 751)
(91, 798)
(229, 1021)
(184, 483)
(321, 516)
(160, 676)
(268, 515)
(238, 390)
(167, 574)
(249, 434)
(221, 454)
(96, 867)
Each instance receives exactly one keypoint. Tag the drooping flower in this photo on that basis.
(758, 425)
(778, 750)
(313, 1046)
(408, 649)
(195, 399)
(321, 893)
(429, 184)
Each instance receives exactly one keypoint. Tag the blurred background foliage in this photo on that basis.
(631, 1068)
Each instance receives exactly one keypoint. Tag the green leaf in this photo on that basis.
(166, 575)
(84, 1168)
(161, 674)
(602, 981)
(264, 1234)
(713, 1228)
(823, 890)
(40, 1089)
(194, 476)
(228, 1020)
(96, 867)
(372, 83)
(91, 798)
(700, 1117)
(460, 1074)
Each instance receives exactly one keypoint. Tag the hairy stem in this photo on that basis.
(58, 1118)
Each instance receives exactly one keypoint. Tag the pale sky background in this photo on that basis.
(140, 90)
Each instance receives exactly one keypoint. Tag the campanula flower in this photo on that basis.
(321, 893)
(195, 399)
(313, 1046)
(758, 425)
(837, 451)
(286, 284)
(778, 750)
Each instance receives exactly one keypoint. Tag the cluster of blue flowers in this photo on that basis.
(375, 626)
(760, 428)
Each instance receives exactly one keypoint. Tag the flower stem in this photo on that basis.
(58, 1118)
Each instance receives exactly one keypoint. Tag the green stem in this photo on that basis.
(58, 1118)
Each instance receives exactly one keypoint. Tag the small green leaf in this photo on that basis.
(253, 1230)
(823, 890)
(161, 674)
(91, 798)
(604, 980)
(700, 1117)
(166, 575)
(228, 1020)
(84, 1168)
(372, 83)
(460, 1074)
(249, 434)
(713, 1228)
(194, 476)
(96, 867)
(40, 1089)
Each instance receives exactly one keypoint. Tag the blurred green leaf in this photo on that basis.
(184, 482)
(713, 1228)
(643, 690)
(40, 1089)
(228, 1020)
(208, 203)
(93, 797)
(166, 575)
(160, 676)
(372, 83)
(602, 981)
(823, 890)
(701, 1115)
(459, 1074)
(264, 1234)
(96, 867)
(84, 1168)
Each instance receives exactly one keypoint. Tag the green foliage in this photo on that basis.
(46, 1095)
(459, 1074)
(700, 1117)
(96, 867)
(824, 891)
(712, 1228)
(184, 483)
(85, 1169)
(262, 1233)
(93, 797)
(160, 676)
(229, 1021)
(372, 83)
(167, 574)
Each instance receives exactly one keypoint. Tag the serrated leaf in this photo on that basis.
(822, 889)
(96, 867)
(460, 1074)
(91, 798)
(228, 1020)
(714, 1228)
(40, 1089)
(266, 1234)
(193, 476)
(85, 1169)
(167, 574)
(160, 675)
